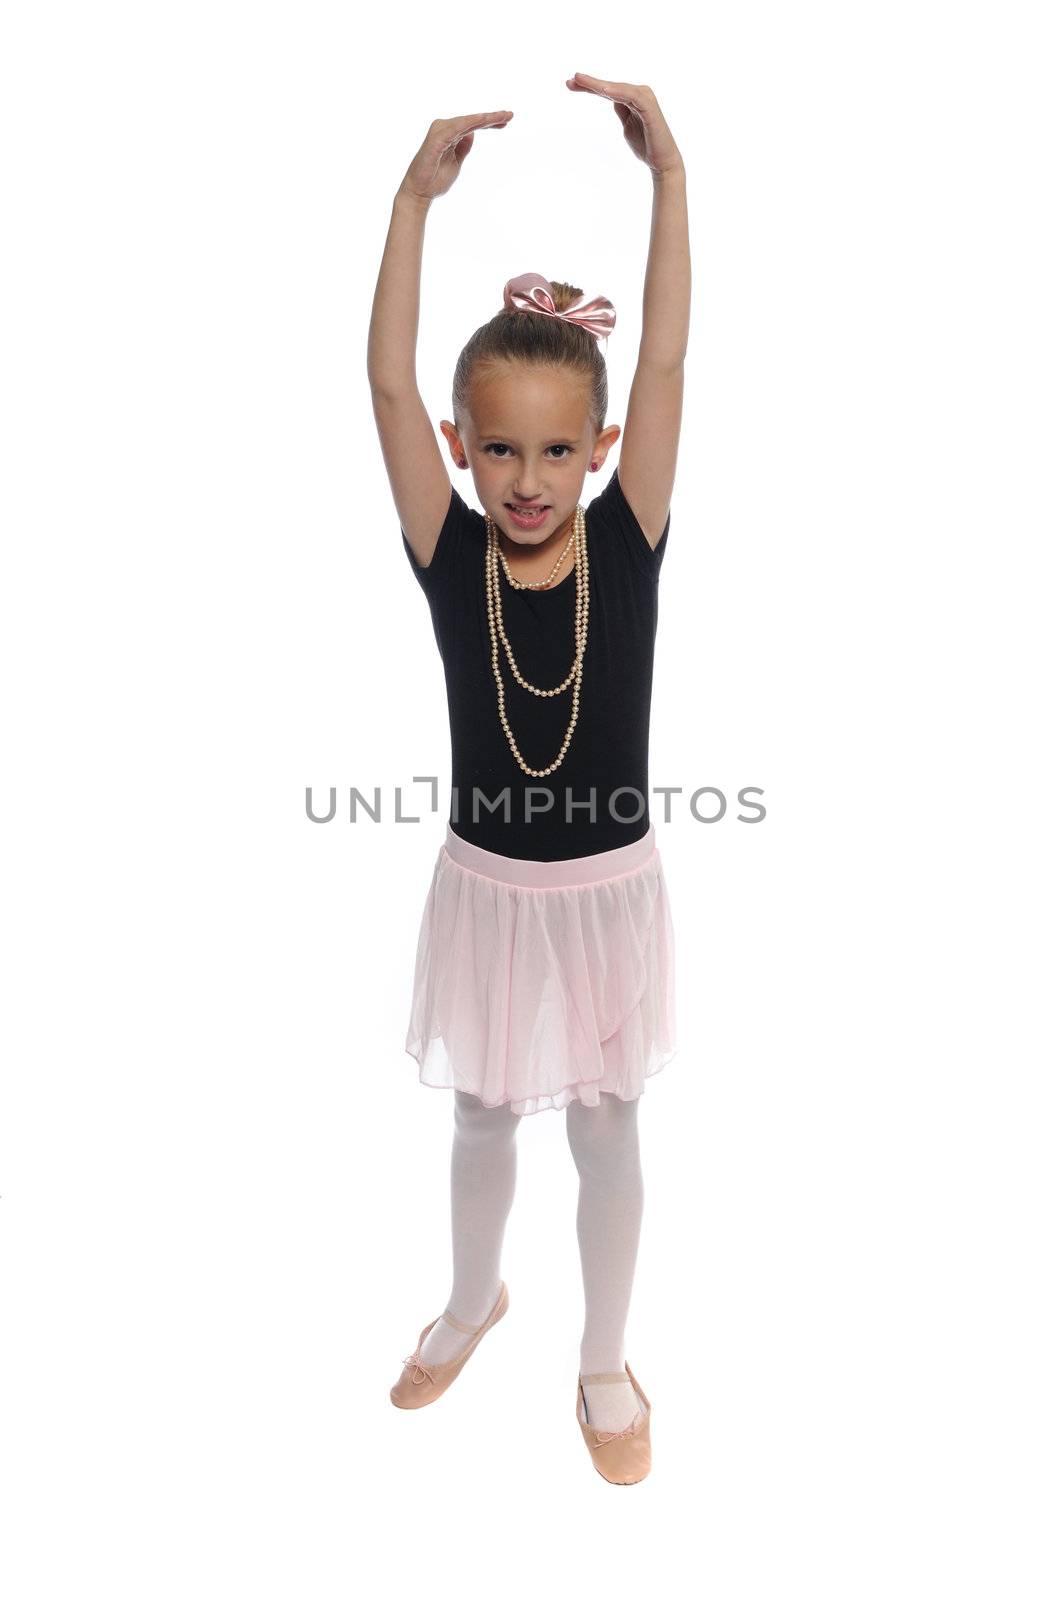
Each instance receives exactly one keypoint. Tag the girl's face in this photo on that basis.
(528, 441)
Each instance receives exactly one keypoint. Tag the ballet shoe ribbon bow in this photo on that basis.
(606, 1438)
(531, 292)
(417, 1366)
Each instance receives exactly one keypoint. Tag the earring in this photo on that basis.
(463, 462)
(595, 465)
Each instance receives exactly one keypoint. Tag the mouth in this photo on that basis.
(527, 516)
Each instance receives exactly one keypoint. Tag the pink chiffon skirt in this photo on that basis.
(541, 982)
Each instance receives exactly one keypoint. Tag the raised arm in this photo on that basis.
(420, 484)
(649, 444)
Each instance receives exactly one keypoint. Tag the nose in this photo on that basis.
(522, 497)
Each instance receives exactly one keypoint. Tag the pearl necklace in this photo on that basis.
(541, 583)
(494, 555)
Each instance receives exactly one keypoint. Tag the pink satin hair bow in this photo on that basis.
(531, 292)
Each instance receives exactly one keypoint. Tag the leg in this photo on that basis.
(483, 1181)
(605, 1146)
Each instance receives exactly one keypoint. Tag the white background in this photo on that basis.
(224, 1194)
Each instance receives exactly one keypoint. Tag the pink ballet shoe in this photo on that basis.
(623, 1456)
(419, 1384)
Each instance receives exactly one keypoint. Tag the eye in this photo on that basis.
(498, 445)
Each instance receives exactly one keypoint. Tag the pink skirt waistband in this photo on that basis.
(569, 873)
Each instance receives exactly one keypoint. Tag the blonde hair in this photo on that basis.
(541, 341)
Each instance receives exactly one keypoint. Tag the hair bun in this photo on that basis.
(530, 291)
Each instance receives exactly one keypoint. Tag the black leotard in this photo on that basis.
(607, 758)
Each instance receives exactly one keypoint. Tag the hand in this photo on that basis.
(644, 126)
(447, 143)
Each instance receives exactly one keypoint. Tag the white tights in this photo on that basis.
(605, 1147)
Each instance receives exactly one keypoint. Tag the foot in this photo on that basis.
(611, 1406)
(444, 1342)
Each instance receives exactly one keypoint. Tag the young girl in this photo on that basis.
(544, 973)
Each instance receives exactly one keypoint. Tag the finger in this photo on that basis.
(480, 119)
(461, 129)
(603, 85)
(628, 93)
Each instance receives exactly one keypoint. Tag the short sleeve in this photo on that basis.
(439, 576)
(616, 514)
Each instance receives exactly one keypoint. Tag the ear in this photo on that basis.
(453, 438)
